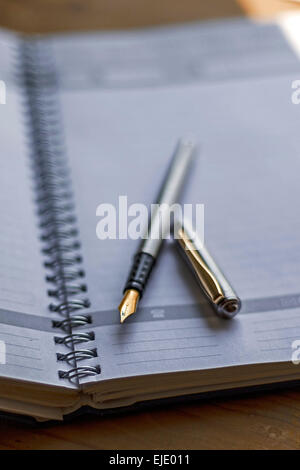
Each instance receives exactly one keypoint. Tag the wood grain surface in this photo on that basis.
(265, 421)
(65, 15)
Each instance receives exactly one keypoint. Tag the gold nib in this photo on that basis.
(129, 303)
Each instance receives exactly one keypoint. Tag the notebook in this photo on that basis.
(91, 117)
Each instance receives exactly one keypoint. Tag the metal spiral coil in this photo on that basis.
(79, 372)
(55, 206)
(75, 338)
(79, 355)
(73, 321)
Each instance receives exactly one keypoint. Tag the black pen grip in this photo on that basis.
(140, 272)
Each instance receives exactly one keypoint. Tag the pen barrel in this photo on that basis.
(160, 221)
(210, 277)
(140, 272)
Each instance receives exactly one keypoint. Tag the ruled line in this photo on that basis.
(22, 366)
(169, 359)
(24, 357)
(276, 349)
(167, 349)
(277, 329)
(277, 339)
(159, 330)
(163, 339)
(21, 346)
(19, 336)
(276, 319)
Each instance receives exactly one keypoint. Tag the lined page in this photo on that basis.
(198, 52)
(246, 176)
(8, 49)
(203, 342)
(249, 158)
(29, 355)
(22, 285)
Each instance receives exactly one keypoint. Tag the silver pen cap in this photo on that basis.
(210, 277)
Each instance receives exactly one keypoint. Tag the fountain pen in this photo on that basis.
(158, 228)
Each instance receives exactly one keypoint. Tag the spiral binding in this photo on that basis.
(55, 205)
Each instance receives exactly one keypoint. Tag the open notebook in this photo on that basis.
(91, 117)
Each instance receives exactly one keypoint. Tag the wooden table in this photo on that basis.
(265, 421)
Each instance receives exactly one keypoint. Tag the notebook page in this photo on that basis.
(248, 130)
(22, 285)
(8, 44)
(29, 355)
(259, 162)
(201, 341)
(208, 51)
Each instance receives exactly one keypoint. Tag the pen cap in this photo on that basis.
(209, 275)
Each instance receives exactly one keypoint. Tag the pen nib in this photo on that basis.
(129, 303)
